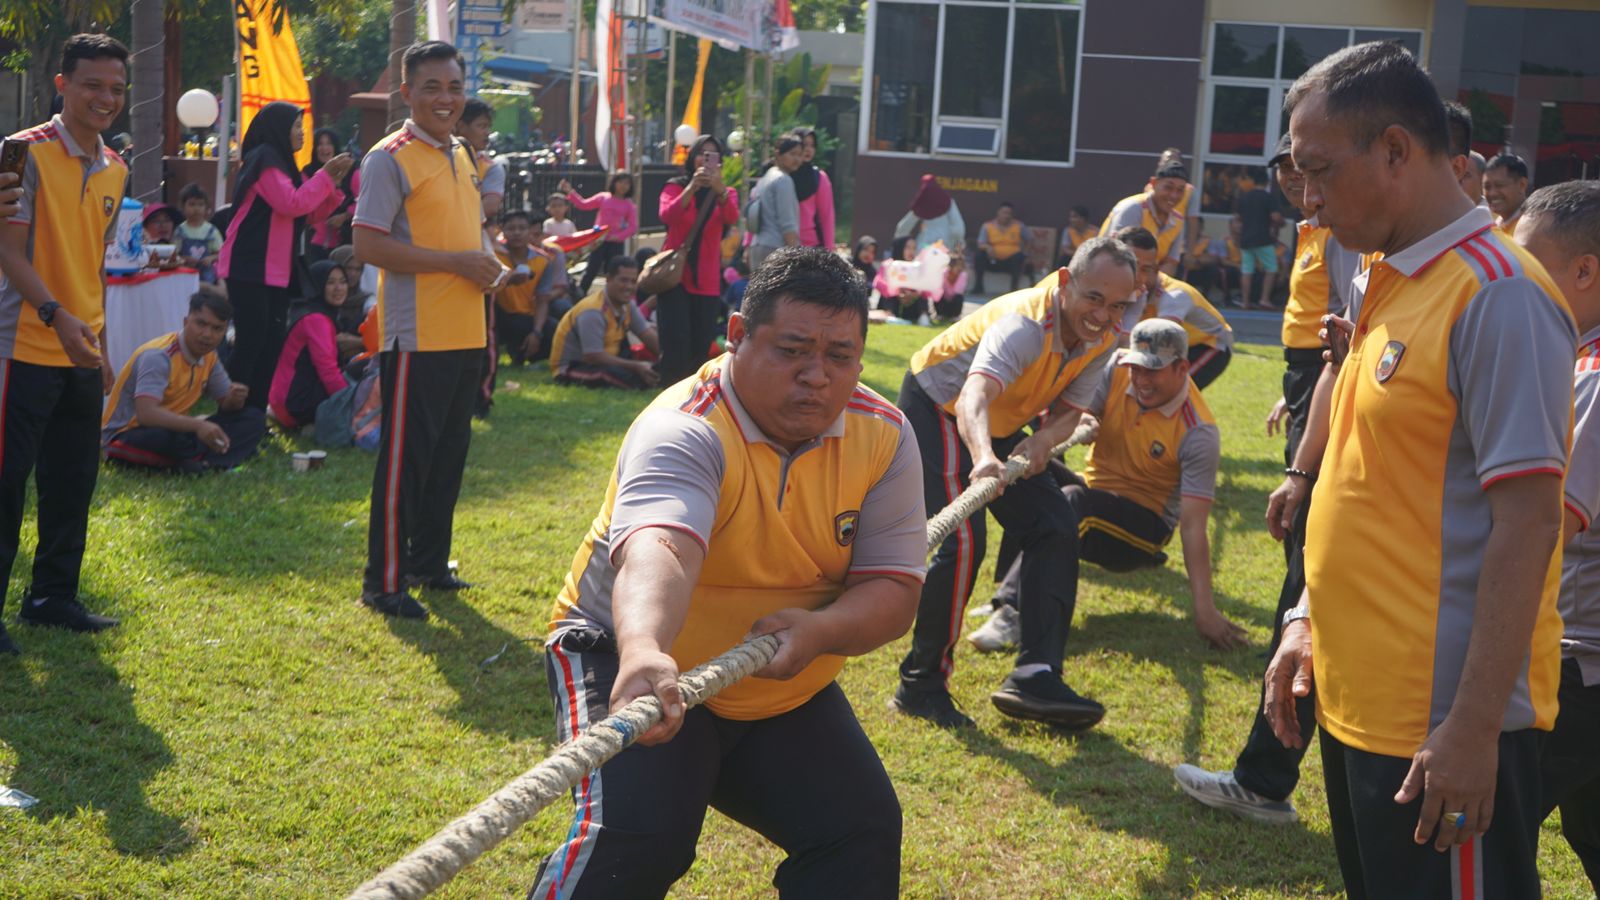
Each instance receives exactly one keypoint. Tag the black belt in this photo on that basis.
(1296, 356)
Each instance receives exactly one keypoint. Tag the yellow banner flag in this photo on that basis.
(269, 65)
(691, 115)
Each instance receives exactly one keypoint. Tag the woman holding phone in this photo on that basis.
(686, 316)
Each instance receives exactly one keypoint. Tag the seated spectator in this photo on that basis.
(359, 301)
(147, 421)
(558, 225)
(1080, 227)
(947, 307)
(737, 277)
(1000, 244)
(199, 241)
(160, 225)
(1212, 263)
(905, 303)
(523, 322)
(864, 257)
(308, 369)
(591, 343)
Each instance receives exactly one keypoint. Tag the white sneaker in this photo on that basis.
(997, 634)
(1219, 791)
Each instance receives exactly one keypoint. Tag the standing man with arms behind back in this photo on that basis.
(52, 330)
(419, 219)
(1430, 619)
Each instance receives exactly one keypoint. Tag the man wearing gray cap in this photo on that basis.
(1152, 469)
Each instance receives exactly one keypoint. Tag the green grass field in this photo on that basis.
(252, 731)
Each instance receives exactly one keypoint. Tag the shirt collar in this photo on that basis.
(98, 160)
(1592, 337)
(1412, 260)
(752, 432)
(183, 348)
(423, 136)
(1168, 409)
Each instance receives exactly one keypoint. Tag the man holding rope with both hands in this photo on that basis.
(770, 493)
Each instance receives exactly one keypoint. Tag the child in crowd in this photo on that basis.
(308, 369)
(905, 304)
(617, 212)
(199, 241)
(558, 225)
(737, 277)
(947, 307)
(160, 223)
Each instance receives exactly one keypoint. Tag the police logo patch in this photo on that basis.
(106, 204)
(1390, 360)
(1157, 449)
(844, 527)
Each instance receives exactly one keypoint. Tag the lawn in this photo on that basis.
(253, 731)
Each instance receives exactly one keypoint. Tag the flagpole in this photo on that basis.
(223, 127)
(672, 82)
(575, 95)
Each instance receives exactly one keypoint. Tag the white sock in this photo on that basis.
(1029, 670)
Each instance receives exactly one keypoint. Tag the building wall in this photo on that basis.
(1360, 13)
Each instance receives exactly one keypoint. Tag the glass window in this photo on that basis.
(1238, 120)
(1220, 188)
(902, 78)
(1410, 40)
(1039, 123)
(1245, 51)
(1305, 47)
(972, 84)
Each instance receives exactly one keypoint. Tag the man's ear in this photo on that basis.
(1588, 274)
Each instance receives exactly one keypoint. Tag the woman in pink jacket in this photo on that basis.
(258, 254)
(616, 211)
(308, 368)
(686, 316)
(815, 193)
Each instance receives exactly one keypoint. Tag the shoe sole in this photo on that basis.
(1228, 804)
(1017, 708)
(396, 615)
(894, 704)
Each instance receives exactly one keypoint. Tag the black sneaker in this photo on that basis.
(397, 604)
(68, 614)
(445, 582)
(1044, 697)
(8, 647)
(935, 706)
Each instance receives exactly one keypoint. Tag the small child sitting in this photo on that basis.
(199, 241)
(558, 225)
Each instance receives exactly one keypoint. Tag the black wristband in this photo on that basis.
(1302, 473)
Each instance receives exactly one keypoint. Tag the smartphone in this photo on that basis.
(13, 156)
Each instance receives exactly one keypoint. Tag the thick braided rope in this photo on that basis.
(459, 844)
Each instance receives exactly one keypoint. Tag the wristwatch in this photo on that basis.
(47, 311)
(1296, 614)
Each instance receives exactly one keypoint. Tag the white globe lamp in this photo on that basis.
(736, 140)
(685, 135)
(198, 109)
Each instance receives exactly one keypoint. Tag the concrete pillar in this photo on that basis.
(1445, 45)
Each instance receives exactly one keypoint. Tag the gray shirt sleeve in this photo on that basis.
(1129, 212)
(892, 536)
(1199, 455)
(1341, 265)
(1511, 355)
(1583, 475)
(383, 192)
(1007, 348)
(591, 330)
(1175, 303)
(1102, 388)
(555, 273)
(1079, 392)
(494, 180)
(152, 371)
(636, 321)
(782, 205)
(669, 475)
(218, 383)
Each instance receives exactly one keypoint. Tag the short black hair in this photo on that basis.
(192, 191)
(1170, 165)
(427, 51)
(786, 143)
(476, 109)
(510, 214)
(1460, 119)
(806, 275)
(1085, 255)
(1082, 211)
(557, 195)
(1005, 203)
(611, 183)
(1570, 213)
(1376, 85)
(1512, 163)
(91, 46)
(1137, 236)
(218, 304)
(618, 263)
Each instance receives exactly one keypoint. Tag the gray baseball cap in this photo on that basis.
(1156, 344)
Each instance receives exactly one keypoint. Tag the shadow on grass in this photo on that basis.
(80, 744)
(1119, 791)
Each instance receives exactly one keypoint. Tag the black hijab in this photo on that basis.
(266, 145)
(808, 177)
(868, 270)
(315, 165)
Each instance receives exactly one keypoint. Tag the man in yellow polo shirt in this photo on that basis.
(1505, 186)
(1430, 624)
(968, 393)
(419, 220)
(525, 320)
(1162, 209)
(1000, 247)
(52, 323)
(590, 346)
(1210, 335)
(770, 493)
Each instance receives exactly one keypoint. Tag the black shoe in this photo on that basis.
(935, 706)
(397, 604)
(192, 467)
(8, 647)
(1161, 558)
(1044, 697)
(445, 582)
(68, 614)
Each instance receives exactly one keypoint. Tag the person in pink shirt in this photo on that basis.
(686, 316)
(257, 258)
(308, 368)
(815, 193)
(617, 212)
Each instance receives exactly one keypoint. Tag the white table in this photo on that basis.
(142, 307)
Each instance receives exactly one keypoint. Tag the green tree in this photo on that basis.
(38, 28)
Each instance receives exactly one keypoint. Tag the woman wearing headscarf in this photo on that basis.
(686, 316)
(815, 193)
(332, 230)
(308, 370)
(777, 215)
(258, 254)
(864, 256)
(934, 216)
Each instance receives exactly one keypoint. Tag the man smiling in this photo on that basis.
(968, 394)
(770, 493)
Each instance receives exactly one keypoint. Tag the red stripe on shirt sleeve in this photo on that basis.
(673, 526)
(1541, 470)
(376, 228)
(1583, 520)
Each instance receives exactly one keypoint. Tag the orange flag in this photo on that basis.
(691, 115)
(269, 65)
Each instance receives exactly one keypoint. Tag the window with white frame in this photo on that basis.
(1251, 66)
(993, 79)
